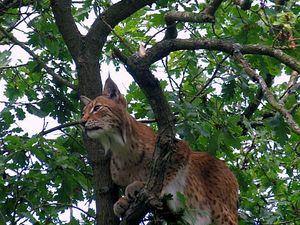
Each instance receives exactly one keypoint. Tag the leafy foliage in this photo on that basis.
(208, 92)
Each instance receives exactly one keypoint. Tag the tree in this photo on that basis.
(222, 61)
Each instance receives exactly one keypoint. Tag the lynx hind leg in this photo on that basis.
(121, 206)
(133, 189)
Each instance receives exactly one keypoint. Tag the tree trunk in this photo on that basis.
(106, 192)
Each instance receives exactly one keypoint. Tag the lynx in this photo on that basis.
(210, 188)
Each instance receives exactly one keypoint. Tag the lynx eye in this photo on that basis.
(97, 108)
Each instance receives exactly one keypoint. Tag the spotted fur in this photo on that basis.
(210, 187)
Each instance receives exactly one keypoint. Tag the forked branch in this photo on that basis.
(267, 93)
(163, 48)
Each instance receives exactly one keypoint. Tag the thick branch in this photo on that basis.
(189, 17)
(165, 144)
(163, 48)
(140, 71)
(67, 27)
(267, 93)
(119, 11)
(206, 16)
(36, 57)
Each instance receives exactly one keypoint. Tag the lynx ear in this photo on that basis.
(85, 100)
(111, 90)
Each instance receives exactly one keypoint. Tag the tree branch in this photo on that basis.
(258, 97)
(37, 58)
(218, 66)
(70, 124)
(292, 85)
(163, 48)
(267, 93)
(189, 17)
(119, 11)
(212, 7)
(165, 144)
(206, 16)
(12, 67)
(67, 27)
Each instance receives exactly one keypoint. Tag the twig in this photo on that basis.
(210, 79)
(253, 105)
(291, 86)
(12, 67)
(64, 205)
(69, 124)
(18, 103)
(267, 93)
(118, 36)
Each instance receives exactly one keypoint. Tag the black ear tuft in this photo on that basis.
(111, 90)
(85, 100)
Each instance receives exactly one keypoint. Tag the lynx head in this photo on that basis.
(104, 118)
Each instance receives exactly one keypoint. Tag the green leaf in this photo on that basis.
(35, 111)
(280, 128)
(4, 58)
(7, 117)
(214, 142)
(20, 113)
(182, 199)
(228, 90)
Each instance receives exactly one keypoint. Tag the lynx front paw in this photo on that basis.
(131, 192)
(121, 206)
(133, 189)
